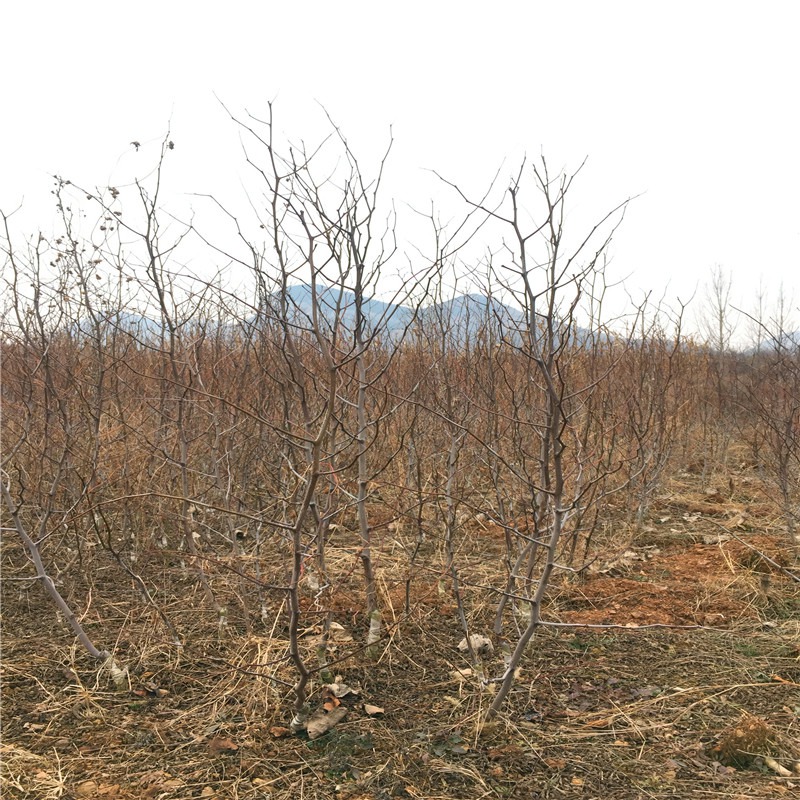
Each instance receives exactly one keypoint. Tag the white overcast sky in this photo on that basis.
(695, 106)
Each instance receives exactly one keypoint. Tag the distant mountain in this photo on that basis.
(469, 313)
(334, 302)
(462, 318)
(136, 325)
(786, 341)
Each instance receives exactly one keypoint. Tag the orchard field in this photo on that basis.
(293, 538)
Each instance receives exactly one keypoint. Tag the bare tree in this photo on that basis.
(771, 395)
(548, 281)
(48, 430)
(716, 319)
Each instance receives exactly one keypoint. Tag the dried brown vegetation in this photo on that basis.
(241, 501)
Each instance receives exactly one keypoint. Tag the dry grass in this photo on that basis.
(595, 712)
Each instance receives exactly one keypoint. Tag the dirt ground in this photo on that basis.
(697, 710)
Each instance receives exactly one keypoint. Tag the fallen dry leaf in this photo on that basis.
(509, 751)
(604, 722)
(321, 722)
(778, 788)
(107, 790)
(219, 745)
(278, 731)
(330, 702)
(340, 689)
(372, 710)
(150, 690)
(777, 768)
(461, 674)
(482, 645)
(739, 521)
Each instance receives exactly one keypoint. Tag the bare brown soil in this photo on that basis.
(597, 712)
